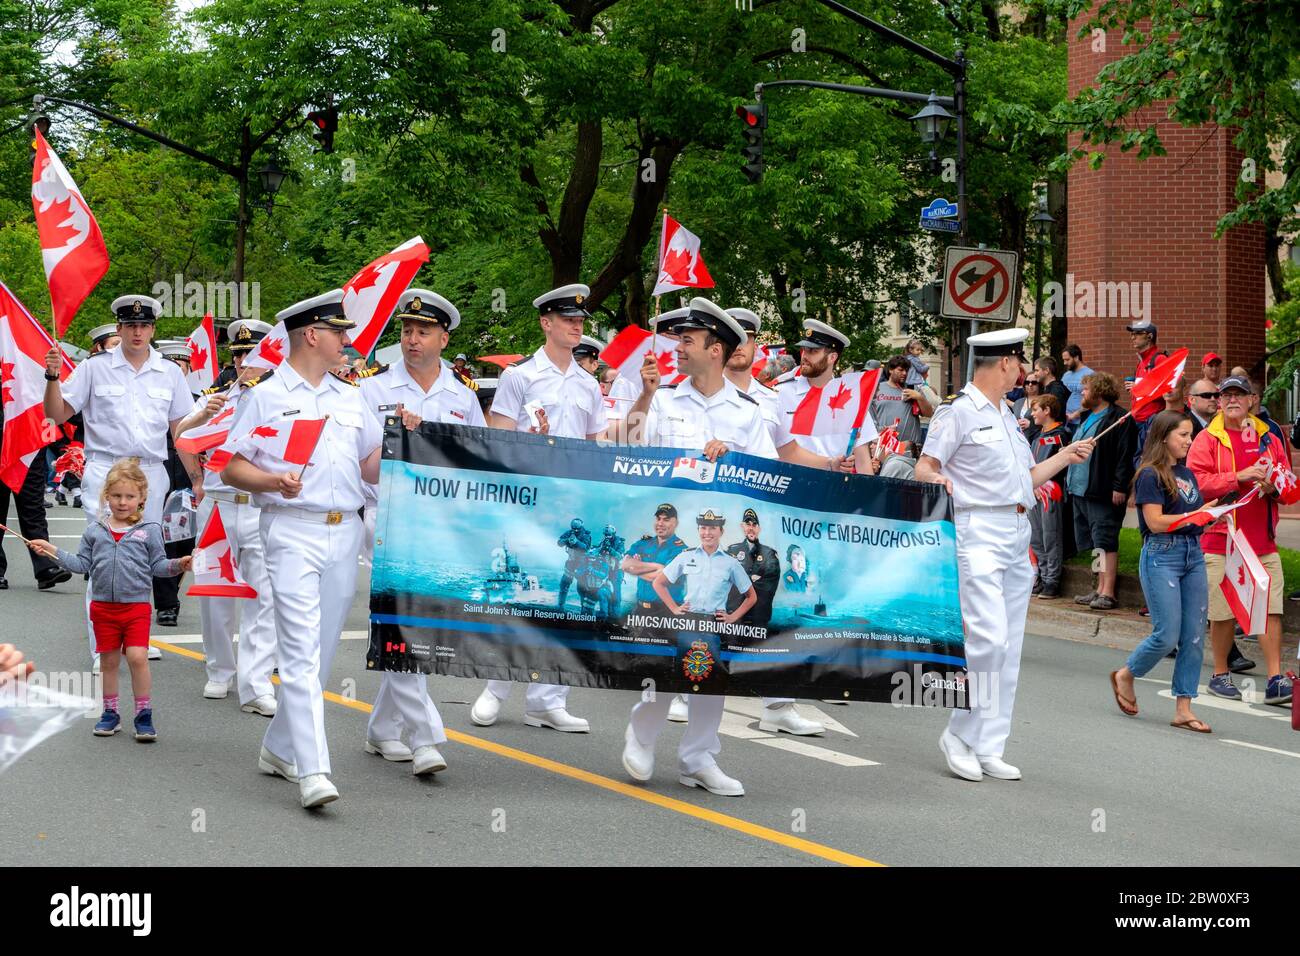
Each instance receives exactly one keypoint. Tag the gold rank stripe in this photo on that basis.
(787, 840)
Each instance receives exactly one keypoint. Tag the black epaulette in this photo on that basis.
(950, 399)
(679, 541)
(464, 379)
(748, 398)
(345, 378)
(213, 390)
(673, 385)
(97, 354)
(261, 378)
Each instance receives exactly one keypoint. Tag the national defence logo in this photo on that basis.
(697, 665)
(699, 470)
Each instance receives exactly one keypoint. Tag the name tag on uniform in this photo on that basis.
(388, 408)
(987, 435)
(292, 411)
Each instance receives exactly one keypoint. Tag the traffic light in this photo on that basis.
(326, 122)
(755, 117)
(928, 297)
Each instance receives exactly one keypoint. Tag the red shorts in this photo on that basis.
(120, 625)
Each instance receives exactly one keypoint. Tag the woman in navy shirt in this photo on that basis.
(1172, 569)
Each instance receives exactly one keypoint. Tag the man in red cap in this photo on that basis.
(1212, 368)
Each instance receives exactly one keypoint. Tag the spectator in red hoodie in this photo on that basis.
(1231, 455)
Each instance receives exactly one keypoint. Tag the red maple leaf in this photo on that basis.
(198, 356)
(270, 349)
(265, 431)
(227, 566)
(667, 362)
(677, 266)
(55, 224)
(364, 279)
(840, 399)
(6, 376)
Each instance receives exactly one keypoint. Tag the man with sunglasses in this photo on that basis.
(310, 524)
(1202, 404)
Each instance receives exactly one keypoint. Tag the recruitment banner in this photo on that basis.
(524, 557)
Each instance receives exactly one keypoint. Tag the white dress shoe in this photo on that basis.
(315, 790)
(638, 759)
(268, 762)
(393, 750)
(713, 780)
(155, 654)
(787, 718)
(485, 709)
(264, 705)
(960, 759)
(997, 767)
(216, 690)
(558, 719)
(427, 760)
(679, 710)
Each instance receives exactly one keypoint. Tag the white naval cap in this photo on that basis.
(327, 308)
(748, 320)
(136, 308)
(421, 305)
(819, 335)
(999, 342)
(173, 349)
(666, 324)
(102, 332)
(589, 346)
(566, 300)
(706, 315)
(244, 334)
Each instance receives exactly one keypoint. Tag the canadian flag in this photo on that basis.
(371, 295)
(203, 356)
(292, 440)
(1281, 477)
(72, 246)
(699, 470)
(23, 344)
(887, 444)
(627, 351)
(197, 440)
(215, 571)
(1164, 375)
(680, 263)
(1046, 493)
(838, 407)
(1207, 516)
(271, 351)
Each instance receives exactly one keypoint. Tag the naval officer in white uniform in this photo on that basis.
(129, 397)
(571, 406)
(310, 524)
(976, 450)
(416, 389)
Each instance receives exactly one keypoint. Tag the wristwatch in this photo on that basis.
(51, 378)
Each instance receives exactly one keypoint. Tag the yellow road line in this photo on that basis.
(787, 840)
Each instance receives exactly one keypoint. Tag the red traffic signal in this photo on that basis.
(755, 118)
(754, 115)
(326, 122)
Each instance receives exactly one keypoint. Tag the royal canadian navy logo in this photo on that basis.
(417, 304)
(698, 662)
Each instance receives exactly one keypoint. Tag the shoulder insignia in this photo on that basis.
(679, 541)
(371, 372)
(465, 380)
(345, 378)
(97, 354)
(260, 379)
(667, 385)
(646, 537)
(749, 398)
(213, 390)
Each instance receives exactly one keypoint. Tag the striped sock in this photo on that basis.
(110, 703)
(141, 703)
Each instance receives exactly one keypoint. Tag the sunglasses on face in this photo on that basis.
(1214, 395)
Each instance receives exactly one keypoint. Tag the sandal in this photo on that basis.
(1195, 724)
(1130, 708)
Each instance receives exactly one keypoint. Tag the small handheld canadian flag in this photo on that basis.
(293, 444)
(680, 263)
(204, 367)
(271, 351)
(215, 571)
(196, 441)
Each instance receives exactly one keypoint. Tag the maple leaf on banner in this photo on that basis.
(270, 349)
(264, 431)
(61, 230)
(841, 398)
(227, 566)
(6, 376)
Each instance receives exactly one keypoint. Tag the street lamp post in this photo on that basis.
(1041, 222)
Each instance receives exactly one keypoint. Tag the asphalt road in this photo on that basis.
(1100, 789)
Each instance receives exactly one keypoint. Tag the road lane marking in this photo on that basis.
(753, 707)
(818, 753)
(1272, 750)
(787, 840)
(1206, 699)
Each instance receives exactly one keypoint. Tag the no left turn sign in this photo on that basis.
(979, 284)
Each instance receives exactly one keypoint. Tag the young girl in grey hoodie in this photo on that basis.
(122, 554)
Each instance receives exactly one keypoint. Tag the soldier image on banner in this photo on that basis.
(763, 566)
(576, 542)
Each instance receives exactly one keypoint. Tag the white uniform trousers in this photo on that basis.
(994, 580)
(403, 702)
(254, 617)
(540, 697)
(700, 744)
(313, 571)
(92, 483)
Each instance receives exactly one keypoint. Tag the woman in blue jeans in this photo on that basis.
(1172, 569)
